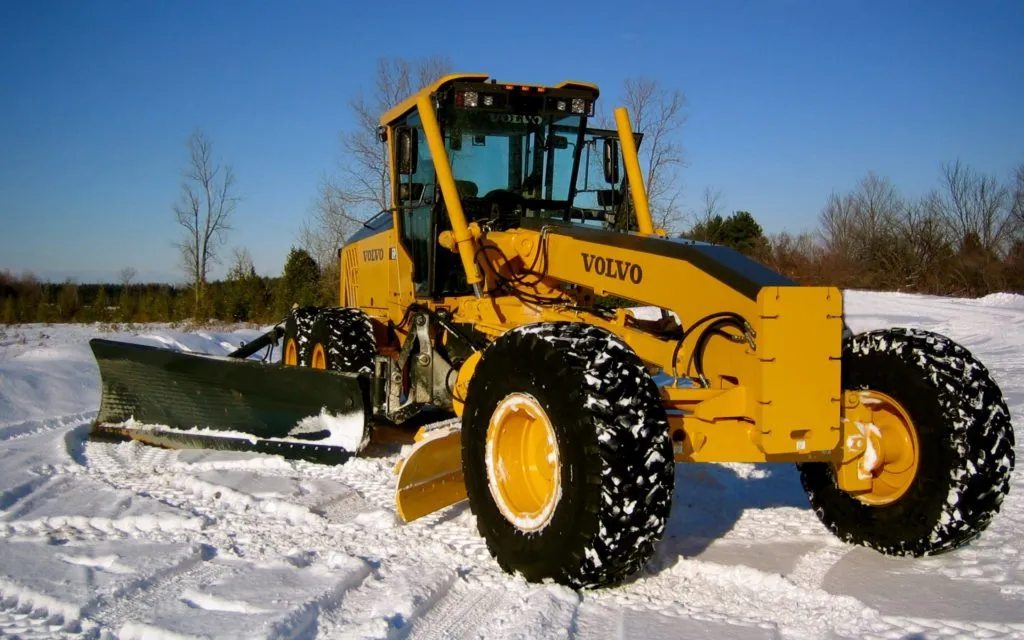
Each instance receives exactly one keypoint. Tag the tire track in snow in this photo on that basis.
(811, 568)
(112, 611)
(24, 428)
(310, 618)
(449, 596)
(357, 523)
(387, 604)
(459, 614)
(371, 530)
(164, 528)
(239, 526)
(533, 611)
(743, 595)
(26, 614)
(936, 628)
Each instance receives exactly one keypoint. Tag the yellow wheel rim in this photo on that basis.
(893, 450)
(291, 352)
(319, 360)
(523, 469)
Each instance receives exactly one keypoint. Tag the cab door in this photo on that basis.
(414, 197)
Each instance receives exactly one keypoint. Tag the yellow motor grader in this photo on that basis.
(517, 294)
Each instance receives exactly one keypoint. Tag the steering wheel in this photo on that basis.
(503, 205)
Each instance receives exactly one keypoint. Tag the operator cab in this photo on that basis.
(516, 152)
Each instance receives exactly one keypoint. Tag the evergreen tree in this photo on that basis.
(99, 305)
(739, 231)
(299, 283)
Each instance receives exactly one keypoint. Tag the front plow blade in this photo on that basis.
(430, 477)
(244, 400)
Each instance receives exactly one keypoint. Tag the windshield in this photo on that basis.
(529, 155)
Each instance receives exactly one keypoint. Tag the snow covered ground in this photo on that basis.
(122, 540)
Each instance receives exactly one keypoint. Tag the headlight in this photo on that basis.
(488, 100)
(579, 105)
(471, 98)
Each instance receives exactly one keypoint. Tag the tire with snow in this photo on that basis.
(298, 327)
(597, 514)
(964, 439)
(346, 336)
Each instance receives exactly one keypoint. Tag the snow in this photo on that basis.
(102, 540)
(346, 430)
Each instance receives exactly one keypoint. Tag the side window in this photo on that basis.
(416, 197)
(418, 188)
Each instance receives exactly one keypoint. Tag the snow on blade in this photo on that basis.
(346, 430)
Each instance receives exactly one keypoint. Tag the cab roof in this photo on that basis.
(407, 105)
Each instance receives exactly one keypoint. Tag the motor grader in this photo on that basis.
(564, 354)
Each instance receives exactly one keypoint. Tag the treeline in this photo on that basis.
(243, 296)
(963, 238)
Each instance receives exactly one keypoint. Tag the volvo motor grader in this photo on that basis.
(498, 302)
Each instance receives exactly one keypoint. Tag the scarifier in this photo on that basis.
(501, 291)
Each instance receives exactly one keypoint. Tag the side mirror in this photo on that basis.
(408, 151)
(611, 160)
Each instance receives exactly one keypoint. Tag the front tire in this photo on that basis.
(961, 439)
(566, 454)
(344, 340)
(341, 339)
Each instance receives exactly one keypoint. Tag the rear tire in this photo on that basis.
(613, 461)
(965, 442)
(298, 327)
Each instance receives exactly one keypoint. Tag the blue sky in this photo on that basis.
(787, 101)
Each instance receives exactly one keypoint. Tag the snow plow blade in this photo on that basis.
(182, 400)
(430, 476)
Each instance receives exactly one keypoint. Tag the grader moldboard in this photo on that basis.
(483, 295)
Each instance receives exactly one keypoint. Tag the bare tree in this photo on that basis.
(365, 165)
(328, 225)
(241, 264)
(857, 223)
(360, 187)
(126, 275)
(926, 247)
(658, 113)
(710, 206)
(1017, 208)
(795, 255)
(977, 208)
(204, 211)
(861, 233)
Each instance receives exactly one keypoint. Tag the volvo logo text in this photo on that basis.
(372, 255)
(612, 268)
(515, 118)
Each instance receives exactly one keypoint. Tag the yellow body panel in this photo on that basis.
(799, 346)
(430, 476)
(365, 271)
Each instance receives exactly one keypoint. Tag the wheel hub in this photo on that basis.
(523, 469)
(319, 358)
(291, 352)
(891, 449)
